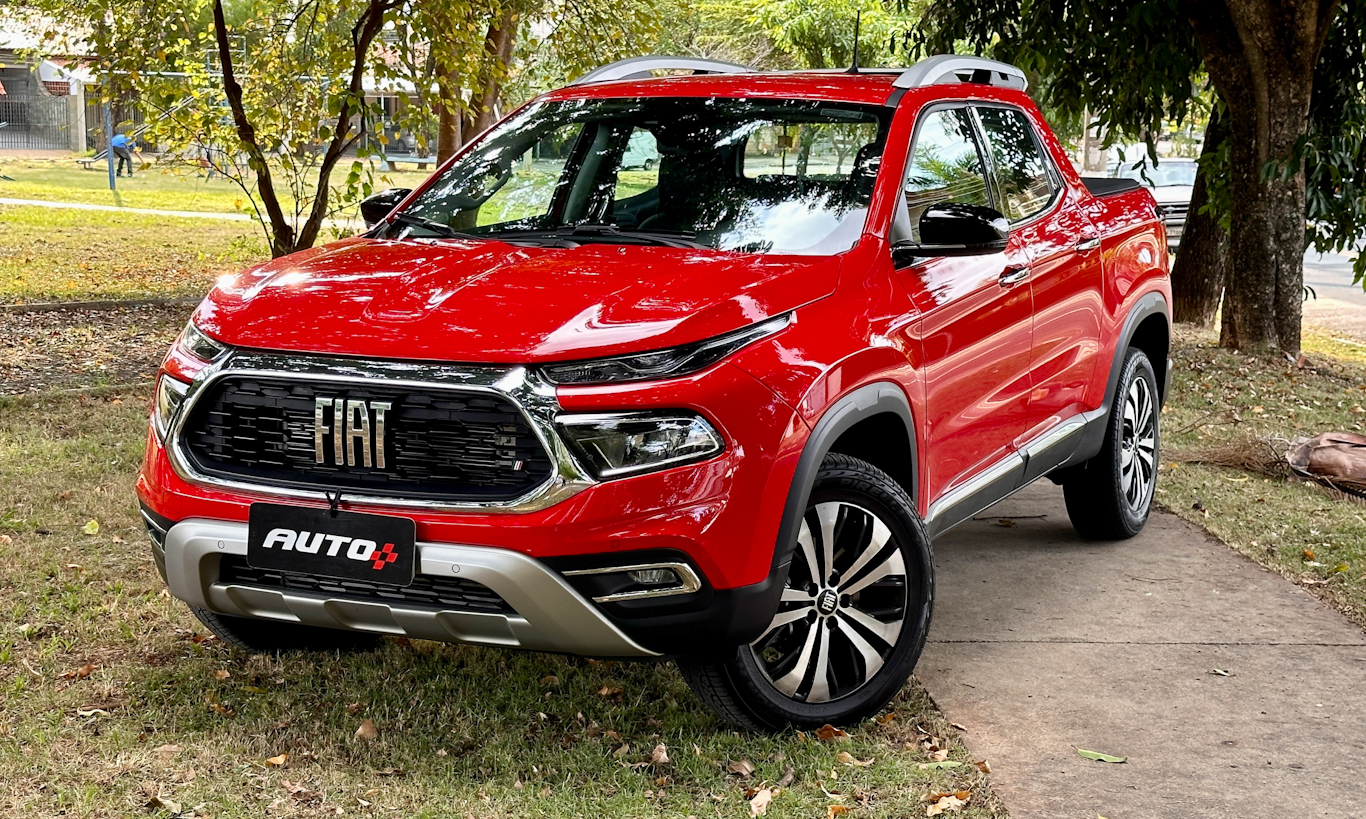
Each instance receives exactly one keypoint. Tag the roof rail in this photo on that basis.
(951, 68)
(639, 68)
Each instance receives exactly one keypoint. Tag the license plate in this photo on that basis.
(349, 545)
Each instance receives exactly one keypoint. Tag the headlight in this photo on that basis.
(668, 363)
(618, 444)
(170, 395)
(193, 341)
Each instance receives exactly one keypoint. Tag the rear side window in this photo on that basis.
(1026, 186)
(946, 165)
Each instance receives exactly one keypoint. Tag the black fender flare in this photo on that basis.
(1150, 304)
(877, 398)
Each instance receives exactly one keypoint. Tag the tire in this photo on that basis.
(836, 652)
(1110, 496)
(273, 636)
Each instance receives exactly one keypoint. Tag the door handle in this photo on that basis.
(1013, 275)
(1088, 244)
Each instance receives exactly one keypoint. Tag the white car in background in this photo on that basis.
(1171, 182)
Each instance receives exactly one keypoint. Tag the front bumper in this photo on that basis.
(549, 615)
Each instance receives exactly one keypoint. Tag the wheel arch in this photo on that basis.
(857, 424)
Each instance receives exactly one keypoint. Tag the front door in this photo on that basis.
(976, 327)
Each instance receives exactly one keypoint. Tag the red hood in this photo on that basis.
(489, 302)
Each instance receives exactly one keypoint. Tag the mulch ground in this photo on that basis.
(76, 349)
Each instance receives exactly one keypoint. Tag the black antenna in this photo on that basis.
(853, 69)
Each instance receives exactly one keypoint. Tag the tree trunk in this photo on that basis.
(498, 43)
(1260, 55)
(450, 117)
(1198, 275)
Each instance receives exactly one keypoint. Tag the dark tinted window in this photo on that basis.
(1026, 187)
(946, 165)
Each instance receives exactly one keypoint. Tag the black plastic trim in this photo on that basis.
(1109, 186)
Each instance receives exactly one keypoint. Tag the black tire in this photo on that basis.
(1109, 497)
(871, 612)
(273, 636)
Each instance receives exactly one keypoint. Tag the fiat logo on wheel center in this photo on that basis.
(827, 601)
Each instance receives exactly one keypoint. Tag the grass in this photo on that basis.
(160, 187)
(462, 731)
(1229, 411)
(72, 255)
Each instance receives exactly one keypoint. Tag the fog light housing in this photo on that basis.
(654, 577)
(615, 445)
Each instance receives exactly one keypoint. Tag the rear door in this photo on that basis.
(976, 325)
(1064, 280)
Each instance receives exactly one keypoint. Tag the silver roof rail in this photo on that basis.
(951, 68)
(639, 68)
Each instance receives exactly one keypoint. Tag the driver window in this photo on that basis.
(946, 166)
(530, 188)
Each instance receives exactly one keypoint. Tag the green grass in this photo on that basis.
(1229, 411)
(462, 730)
(72, 255)
(160, 187)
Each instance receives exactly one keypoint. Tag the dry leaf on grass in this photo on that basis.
(758, 806)
(836, 810)
(849, 759)
(660, 755)
(887, 718)
(622, 751)
(941, 802)
(222, 674)
(160, 802)
(551, 680)
(609, 691)
(788, 776)
(367, 730)
(277, 761)
(829, 733)
(983, 766)
(80, 673)
(741, 767)
(939, 766)
(91, 528)
(6, 540)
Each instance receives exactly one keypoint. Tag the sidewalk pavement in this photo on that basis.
(1043, 643)
(180, 214)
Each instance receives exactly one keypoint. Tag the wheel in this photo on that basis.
(1110, 496)
(649, 165)
(272, 636)
(852, 618)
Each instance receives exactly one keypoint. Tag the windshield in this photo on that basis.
(757, 176)
(1162, 175)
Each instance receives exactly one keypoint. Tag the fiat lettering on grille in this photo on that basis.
(356, 424)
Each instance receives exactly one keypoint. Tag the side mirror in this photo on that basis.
(951, 229)
(374, 208)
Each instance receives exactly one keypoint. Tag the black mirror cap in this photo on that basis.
(374, 208)
(953, 229)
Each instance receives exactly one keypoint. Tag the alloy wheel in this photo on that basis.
(1138, 445)
(842, 609)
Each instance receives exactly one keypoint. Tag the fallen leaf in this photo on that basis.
(92, 527)
(1221, 672)
(939, 766)
(849, 759)
(788, 776)
(91, 712)
(222, 710)
(758, 806)
(117, 539)
(983, 766)
(1006, 522)
(608, 691)
(660, 755)
(221, 674)
(829, 733)
(1308, 555)
(6, 540)
(945, 802)
(741, 767)
(277, 761)
(886, 719)
(836, 810)
(551, 680)
(367, 730)
(622, 751)
(959, 727)
(1099, 757)
(80, 673)
(160, 802)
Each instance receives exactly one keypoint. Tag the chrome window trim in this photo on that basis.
(689, 581)
(533, 396)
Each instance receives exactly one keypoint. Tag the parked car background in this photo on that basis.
(1171, 182)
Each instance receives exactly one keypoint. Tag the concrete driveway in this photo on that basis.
(1043, 643)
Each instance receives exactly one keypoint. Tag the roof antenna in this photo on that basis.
(853, 69)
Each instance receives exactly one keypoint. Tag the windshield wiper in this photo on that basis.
(590, 232)
(445, 231)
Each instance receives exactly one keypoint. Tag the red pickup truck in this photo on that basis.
(689, 366)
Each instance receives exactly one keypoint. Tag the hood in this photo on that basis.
(491, 302)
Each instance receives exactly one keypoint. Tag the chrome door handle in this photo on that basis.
(1014, 274)
(1088, 245)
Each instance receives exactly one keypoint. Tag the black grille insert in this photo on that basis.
(426, 591)
(438, 444)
